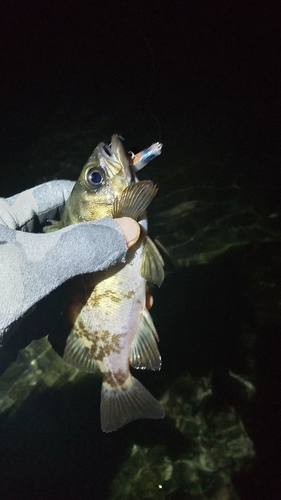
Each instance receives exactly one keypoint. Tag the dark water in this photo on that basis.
(203, 77)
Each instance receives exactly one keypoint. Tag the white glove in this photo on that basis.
(34, 264)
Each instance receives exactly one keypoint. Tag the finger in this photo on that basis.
(130, 229)
(149, 301)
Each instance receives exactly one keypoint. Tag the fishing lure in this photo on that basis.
(142, 158)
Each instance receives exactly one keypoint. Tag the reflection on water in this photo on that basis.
(210, 313)
(216, 219)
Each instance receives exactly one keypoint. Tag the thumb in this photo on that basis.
(130, 228)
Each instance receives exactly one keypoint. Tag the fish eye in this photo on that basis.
(94, 177)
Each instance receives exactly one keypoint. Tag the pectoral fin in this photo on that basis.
(77, 355)
(134, 200)
(144, 351)
(152, 263)
(54, 226)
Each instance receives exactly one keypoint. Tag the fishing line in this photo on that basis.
(151, 87)
(153, 65)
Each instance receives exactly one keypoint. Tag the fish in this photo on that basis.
(111, 326)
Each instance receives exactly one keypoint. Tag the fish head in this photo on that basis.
(103, 178)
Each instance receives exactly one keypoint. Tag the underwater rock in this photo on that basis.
(218, 448)
(195, 225)
(37, 368)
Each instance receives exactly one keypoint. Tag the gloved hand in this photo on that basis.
(34, 264)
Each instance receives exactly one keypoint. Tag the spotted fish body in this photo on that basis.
(112, 328)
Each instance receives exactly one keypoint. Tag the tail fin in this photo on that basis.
(121, 405)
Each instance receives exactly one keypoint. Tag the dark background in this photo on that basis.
(201, 76)
(198, 75)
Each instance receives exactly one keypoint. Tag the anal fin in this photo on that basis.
(144, 351)
(121, 405)
(77, 355)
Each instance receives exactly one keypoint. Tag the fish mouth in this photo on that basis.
(105, 150)
(109, 150)
(114, 156)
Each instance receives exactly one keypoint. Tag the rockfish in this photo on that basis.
(112, 328)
